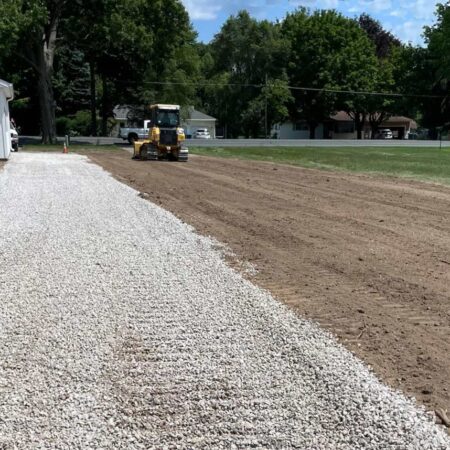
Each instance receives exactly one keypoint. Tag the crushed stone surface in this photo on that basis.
(121, 328)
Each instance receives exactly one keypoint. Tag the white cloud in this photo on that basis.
(202, 9)
(398, 13)
(409, 31)
(375, 6)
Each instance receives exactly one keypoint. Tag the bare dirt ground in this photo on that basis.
(366, 257)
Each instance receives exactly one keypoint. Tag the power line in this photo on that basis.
(295, 88)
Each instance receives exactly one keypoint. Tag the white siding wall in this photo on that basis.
(190, 127)
(5, 132)
(286, 131)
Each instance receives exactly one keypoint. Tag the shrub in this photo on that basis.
(78, 124)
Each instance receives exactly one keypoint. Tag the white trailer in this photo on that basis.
(6, 95)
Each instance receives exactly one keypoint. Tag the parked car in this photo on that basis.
(14, 138)
(385, 133)
(202, 133)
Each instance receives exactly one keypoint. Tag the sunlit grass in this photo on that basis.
(423, 163)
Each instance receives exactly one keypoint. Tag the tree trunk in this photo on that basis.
(360, 120)
(44, 57)
(93, 99)
(104, 106)
(312, 129)
(376, 120)
(359, 131)
(374, 128)
(46, 106)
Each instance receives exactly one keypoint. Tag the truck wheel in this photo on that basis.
(132, 138)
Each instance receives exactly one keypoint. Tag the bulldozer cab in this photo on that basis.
(165, 137)
(165, 116)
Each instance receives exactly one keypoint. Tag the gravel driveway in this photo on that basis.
(120, 328)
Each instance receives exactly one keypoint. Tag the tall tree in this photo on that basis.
(379, 106)
(328, 52)
(30, 28)
(246, 53)
(384, 40)
(122, 43)
(268, 108)
(438, 39)
(130, 44)
(387, 49)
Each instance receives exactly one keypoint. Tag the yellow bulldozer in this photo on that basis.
(165, 137)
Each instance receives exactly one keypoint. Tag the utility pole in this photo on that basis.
(265, 112)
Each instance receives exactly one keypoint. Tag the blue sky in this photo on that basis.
(404, 18)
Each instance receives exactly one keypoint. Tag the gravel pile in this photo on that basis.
(120, 328)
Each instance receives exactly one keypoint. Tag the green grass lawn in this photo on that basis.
(429, 164)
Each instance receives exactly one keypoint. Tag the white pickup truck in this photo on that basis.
(134, 134)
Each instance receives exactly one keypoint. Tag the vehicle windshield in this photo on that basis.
(168, 118)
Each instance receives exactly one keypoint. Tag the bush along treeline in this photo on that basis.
(72, 61)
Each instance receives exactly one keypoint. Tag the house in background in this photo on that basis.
(6, 95)
(342, 126)
(295, 130)
(194, 120)
(121, 119)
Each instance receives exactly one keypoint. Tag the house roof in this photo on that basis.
(342, 116)
(7, 88)
(197, 115)
(402, 119)
(121, 112)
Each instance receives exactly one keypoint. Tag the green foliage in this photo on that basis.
(77, 124)
(438, 52)
(328, 51)
(112, 52)
(383, 40)
(20, 21)
(271, 106)
(71, 80)
(245, 53)
(437, 38)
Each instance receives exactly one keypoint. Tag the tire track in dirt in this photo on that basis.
(366, 257)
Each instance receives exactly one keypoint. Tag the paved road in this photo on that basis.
(259, 142)
(120, 328)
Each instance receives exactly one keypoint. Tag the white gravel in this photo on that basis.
(120, 328)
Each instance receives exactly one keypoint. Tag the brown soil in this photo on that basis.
(366, 257)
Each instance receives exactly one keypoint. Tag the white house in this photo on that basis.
(196, 120)
(6, 95)
(342, 126)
